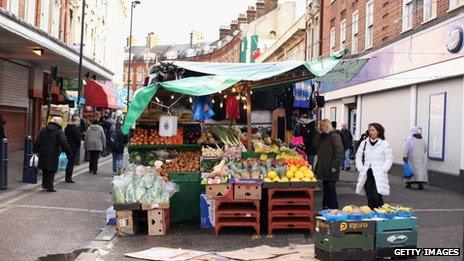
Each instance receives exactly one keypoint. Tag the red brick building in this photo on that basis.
(388, 20)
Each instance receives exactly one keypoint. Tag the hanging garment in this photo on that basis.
(202, 108)
(232, 108)
(302, 94)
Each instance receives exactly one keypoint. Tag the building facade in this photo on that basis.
(36, 34)
(414, 75)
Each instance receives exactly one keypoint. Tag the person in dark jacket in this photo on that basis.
(118, 141)
(306, 127)
(329, 157)
(48, 146)
(73, 135)
(347, 139)
(2, 128)
(95, 143)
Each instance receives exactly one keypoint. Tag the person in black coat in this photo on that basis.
(48, 146)
(118, 142)
(347, 139)
(74, 137)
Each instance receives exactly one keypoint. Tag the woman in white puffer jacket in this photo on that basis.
(374, 159)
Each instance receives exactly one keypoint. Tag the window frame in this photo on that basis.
(15, 4)
(433, 13)
(369, 27)
(342, 33)
(454, 4)
(410, 18)
(29, 11)
(354, 33)
(332, 38)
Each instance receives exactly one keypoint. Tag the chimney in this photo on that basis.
(251, 14)
(270, 5)
(260, 11)
(152, 40)
(242, 19)
(224, 31)
(130, 40)
(234, 26)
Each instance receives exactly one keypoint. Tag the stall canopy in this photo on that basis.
(100, 95)
(216, 77)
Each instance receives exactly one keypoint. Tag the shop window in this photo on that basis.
(437, 119)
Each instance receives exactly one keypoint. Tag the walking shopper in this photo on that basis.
(329, 157)
(95, 143)
(118, 142)
(306, 128)
(374, 159)
(48, 146)
(415, 153)
(347, 139)
(74, 136)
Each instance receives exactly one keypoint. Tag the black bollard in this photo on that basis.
(29, 173)
(3, 164)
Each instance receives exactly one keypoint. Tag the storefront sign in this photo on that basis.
(454, 40)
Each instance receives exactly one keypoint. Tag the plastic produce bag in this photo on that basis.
(119, 190)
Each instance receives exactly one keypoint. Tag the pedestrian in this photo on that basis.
(106, 125)
(374, 159)
(415, 154)
(74, 137)
(329, 157)
(95, 143)
(48, 146)
(347, 139)
(2, 128)
(306, 128)
(364, 136)
(118, 142)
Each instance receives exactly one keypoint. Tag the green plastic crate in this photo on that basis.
(185, 204)
(396, 239)
(337, 244)
(387, 225)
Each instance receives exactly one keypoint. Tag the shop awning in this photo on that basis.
(100, 95)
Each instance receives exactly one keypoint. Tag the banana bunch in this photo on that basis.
(388, 209)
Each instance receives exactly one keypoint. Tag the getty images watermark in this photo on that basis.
(427, 252)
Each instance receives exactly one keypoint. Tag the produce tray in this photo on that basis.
(352, 254)
(290, 213)
(338, 244)
(341, 228)
(254, 155)
(312, 184)
(183, 147)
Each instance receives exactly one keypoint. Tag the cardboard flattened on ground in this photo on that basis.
(293, 252)
(166, 254)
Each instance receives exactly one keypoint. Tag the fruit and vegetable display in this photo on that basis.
(226, 135)
(293, 173)
(252, 168)
(218, 175)
(232, 152)
(206, 138)
(183, 162)
(141, 184)
(352, 212)
(150, 158)
(266, 145)
(207, 165)
(143, 136)
(208, 151)
(191, 134)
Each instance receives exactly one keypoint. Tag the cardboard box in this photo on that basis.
(146, 206)
(340, 228)
(247, 191)
(220, 191)
(158, 222)
(62, 111)
(126, 223)
(206, 212)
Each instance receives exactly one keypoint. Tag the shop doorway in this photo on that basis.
(352, 114)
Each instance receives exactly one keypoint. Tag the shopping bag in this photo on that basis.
(408, 172)
(62, 161)
(34, 161)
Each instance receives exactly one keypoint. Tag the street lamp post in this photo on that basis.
(79, 82)
(133, 4)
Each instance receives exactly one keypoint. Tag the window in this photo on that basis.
(30, 11)
(332, 38)
(342, 33)
(140, 75)
(44, 15)
(55, 19)
(369, 24)
(437, 119)
(456, 3)
(430, 10)
(354, 32)
(13, 6)
(407, 14)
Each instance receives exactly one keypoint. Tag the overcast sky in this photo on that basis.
(172, 20)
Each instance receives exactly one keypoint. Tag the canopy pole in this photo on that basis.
(248, 97)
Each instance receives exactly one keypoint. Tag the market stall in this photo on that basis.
(175, 138)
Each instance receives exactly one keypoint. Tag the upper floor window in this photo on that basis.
(342, 33)
(407, 14)
(332, 39)
(13, 6)
(369, 24)
(140, 75)
(455, 3)
(430, 9)
(30, 11)
(44, 15)
(354, 32)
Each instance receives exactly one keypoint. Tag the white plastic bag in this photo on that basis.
(34, 161)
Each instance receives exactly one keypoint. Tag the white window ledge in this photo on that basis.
(454, 8)
(406, 30)
(430, 19)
